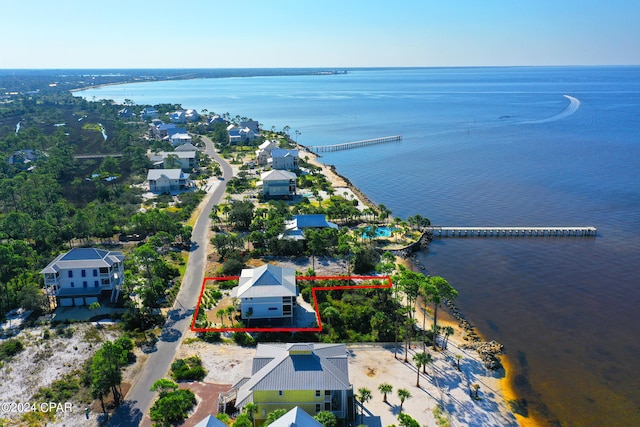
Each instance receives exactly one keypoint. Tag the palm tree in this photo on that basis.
(425, 289)
(420, 360)
(442, 290)
(330, 313)
(220, 314)
(458, 358)
(429, 360)
(230, 311)
(409, 324)
(448, 331)
(250, 408)
(274, 415)
(475, 388)
(364, 395)
(248, 315)
(385, 389)
(403, 394)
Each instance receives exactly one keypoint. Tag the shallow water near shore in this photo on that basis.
(492, 147)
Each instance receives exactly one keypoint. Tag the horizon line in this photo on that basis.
(372, 67)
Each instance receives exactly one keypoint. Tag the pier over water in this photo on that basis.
(354, 144)
(438, 231)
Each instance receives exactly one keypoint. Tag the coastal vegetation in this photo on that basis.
(81, 189)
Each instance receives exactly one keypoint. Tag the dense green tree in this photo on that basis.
(326, 418)
(106, 374)
(407, 421)
(243, 420)
(365, 259)
(241, 215)
(227, 243)
(173, 404)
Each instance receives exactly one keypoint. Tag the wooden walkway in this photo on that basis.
(511, 231)
(354, 144)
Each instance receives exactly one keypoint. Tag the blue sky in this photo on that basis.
(320, 33)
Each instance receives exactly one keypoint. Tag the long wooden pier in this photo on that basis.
(511, 231)
(354, 144)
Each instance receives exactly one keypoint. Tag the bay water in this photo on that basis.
(521, 146)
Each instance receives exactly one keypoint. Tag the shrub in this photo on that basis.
(232, 267)
(210, 336)
(10, 348)
(243, 339)
(173, 406)
(189, 369)
(60, 390)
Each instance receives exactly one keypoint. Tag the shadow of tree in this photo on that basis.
(125, 416)
(170, 334)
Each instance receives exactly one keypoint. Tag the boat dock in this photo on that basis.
(511, 231)
(354, 144)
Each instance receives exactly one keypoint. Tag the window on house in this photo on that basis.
(96, 284)
(73, 285)
(84, 284)
(280, 392)
(317, 393)
(318, 407)
(70, 273)
(83, 273)
(327, 406)
(95, 272)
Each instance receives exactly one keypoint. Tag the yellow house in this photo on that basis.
(313, 376)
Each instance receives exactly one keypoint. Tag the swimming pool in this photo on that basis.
(380, 232)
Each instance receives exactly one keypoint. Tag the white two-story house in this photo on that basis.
(167, 180)
(284, 159)
(267, 292)
(83, 276)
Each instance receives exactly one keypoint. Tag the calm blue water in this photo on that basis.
(492, 146)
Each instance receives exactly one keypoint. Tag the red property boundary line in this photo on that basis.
(314, 289)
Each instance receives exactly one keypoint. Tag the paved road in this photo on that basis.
(139, 397)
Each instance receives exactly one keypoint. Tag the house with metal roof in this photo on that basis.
(294, 228)
(284, 159)
(263, 153)
(180, 138)
(278, 184)
(84, 275)
(211, 421)
(311, 376)
(186, 160)
(167, 180)
(296, 417)
(267, 292)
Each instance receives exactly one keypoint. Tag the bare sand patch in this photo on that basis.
(46, 360)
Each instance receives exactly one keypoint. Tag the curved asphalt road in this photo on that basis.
(139, 397)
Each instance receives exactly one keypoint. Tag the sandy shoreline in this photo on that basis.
(504, 385)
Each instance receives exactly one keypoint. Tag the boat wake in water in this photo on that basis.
(574, 104)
